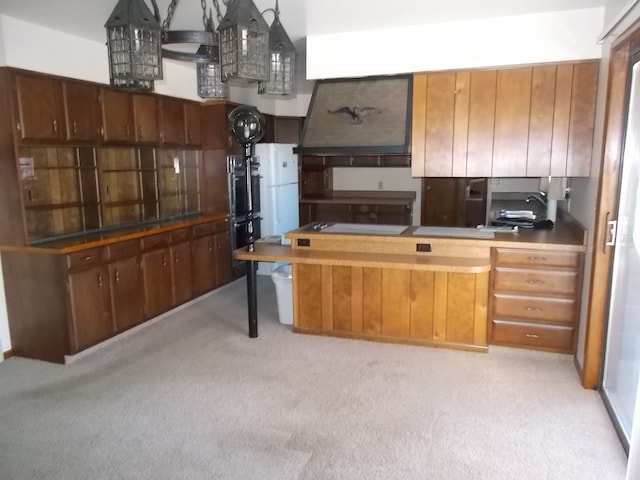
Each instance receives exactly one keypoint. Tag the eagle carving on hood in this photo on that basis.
(356, 114)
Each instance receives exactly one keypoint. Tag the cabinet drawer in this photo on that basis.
(179, 236)
(534, 308)
(555, 282)
(84, 258)
(551, 337)
(538, 258)
(203, 229)
(120, 250)
(155, 241)
(222, 226)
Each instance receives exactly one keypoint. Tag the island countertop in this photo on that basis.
(566, 235)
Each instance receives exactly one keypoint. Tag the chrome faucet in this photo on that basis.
(541, 197)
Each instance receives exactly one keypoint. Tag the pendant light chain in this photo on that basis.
(166, 25)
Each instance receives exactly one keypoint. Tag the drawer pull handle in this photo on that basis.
(532, 335)
(535, 282)
(117, 277)
(533, 309)
(538, 259)
(99, 280)
(87, 258)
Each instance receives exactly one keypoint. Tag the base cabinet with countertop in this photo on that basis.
(438, 286)
(66, 296)
(535, 299)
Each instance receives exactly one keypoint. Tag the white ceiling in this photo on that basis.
(85, 18)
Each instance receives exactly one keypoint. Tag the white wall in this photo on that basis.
(521, 39)
(398, 179)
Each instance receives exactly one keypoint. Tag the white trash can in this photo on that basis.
(281, 277)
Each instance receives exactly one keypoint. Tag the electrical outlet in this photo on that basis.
(380, 185)
(176, 165)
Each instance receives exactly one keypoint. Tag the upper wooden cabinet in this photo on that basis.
(215, 134)
(515, 122)
(171, 122)
(81, 112)
(192, 123)
(38, 109)
(145, 117)
(117, 116)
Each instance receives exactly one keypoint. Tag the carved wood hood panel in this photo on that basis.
(361, 115)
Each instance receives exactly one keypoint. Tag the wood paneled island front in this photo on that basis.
(433, 286)
(380, 282)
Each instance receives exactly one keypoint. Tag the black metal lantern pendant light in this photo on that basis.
(134, 44)
(243, 48)
(244, 43)
(282, 61)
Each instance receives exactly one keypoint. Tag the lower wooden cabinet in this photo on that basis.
(90, 307)
(412, 306)
(181, 279)
(156, 278)
(61, 304)
(535, 298)
(211, 255)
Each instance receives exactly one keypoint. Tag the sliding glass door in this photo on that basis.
(622, 354)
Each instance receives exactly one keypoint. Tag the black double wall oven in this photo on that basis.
(237, 183)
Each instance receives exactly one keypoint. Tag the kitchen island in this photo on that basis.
(433, 286)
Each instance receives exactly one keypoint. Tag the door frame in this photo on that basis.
(607, 204)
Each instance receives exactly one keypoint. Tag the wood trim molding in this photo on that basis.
(9, 353)
(606, 209)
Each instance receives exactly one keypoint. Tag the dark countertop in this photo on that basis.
(567, 235)
(97, 239)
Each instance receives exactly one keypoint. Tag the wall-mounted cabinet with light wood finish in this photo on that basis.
(531, 121)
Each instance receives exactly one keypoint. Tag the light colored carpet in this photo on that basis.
(192, 397)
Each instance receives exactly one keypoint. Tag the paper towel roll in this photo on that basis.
(552, 206)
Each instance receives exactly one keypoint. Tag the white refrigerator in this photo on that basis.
(278, 192)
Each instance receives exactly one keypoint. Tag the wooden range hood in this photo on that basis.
(359, 116)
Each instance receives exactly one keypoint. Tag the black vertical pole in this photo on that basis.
(252, 293)
(247, 126)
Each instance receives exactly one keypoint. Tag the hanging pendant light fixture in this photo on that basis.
(244, 43)
(282, 61)
(134, 44)
(240, 49)
(210, 84)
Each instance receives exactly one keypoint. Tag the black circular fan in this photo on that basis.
(246, 124)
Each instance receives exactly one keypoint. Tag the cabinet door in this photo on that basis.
(81, 112)
(117, 116)
(39, 111)
(172, 116)
(156, 274)
(90, 307)
(269, 129)
(583, 106)
(511, 135)
(145, 115)
(223, 258)
(482, 105)
(126, 293)
(440, 202)
(287, 129)
(439, 122)
(204, 264)
(193, 124)
(315, 182)
(181, 273)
